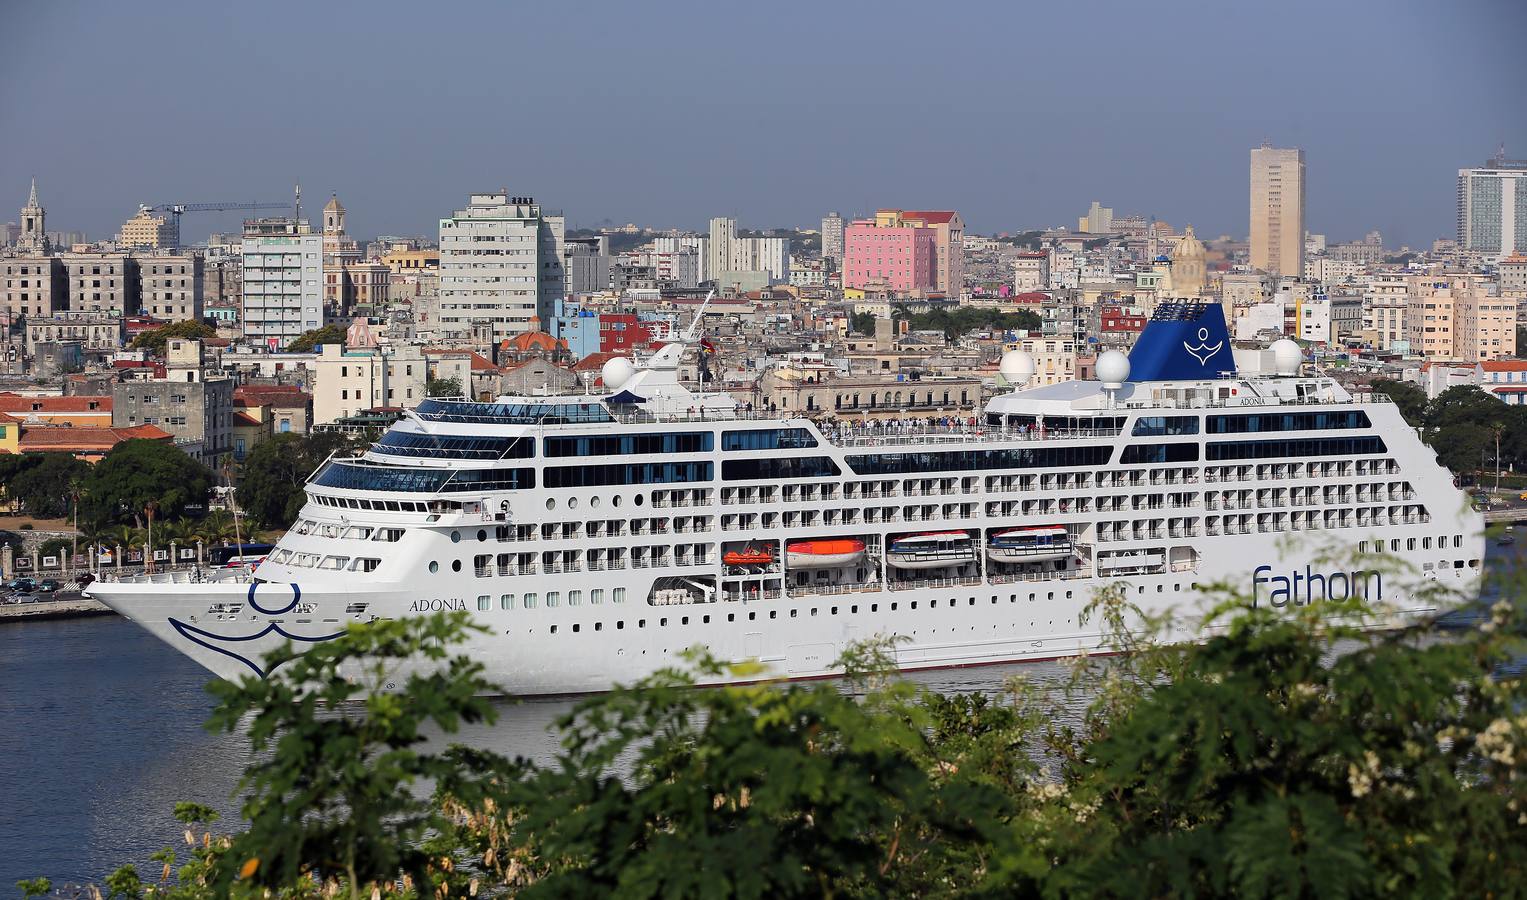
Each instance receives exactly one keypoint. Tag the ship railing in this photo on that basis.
(956, 434)
(819, 590)
(1009, 577)
(915, 584)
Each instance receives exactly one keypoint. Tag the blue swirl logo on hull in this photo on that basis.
(225, 644)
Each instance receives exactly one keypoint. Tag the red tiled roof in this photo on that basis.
(936, 216)
(15, 403)
(532, 340)
(246, 420)
(278, 396)
(593, 362)
(86, 438)
(1505, 365)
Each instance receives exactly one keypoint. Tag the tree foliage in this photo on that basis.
(43, 483)
(1292, 753)
(158, 339)
(308, 341)
(863, 323)
(966, 319)
(444, 387)
(139, 471)
(271, 488)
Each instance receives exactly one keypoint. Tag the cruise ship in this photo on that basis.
(598, 537)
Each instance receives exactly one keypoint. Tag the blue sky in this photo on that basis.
(1017, 114)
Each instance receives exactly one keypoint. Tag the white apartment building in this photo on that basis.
(730, 253)
(283, 281)
(698, 243)
(1312, 319)
(501, 264)
(1492, 208)
(723, 231)
(1054, 359)
(349, 382)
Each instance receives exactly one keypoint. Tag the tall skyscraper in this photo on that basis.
(501, 265)
(832, 238)
(723, 231)
(1492, 207)
(1277, 210)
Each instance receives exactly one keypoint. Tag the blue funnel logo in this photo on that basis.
(1202, 351)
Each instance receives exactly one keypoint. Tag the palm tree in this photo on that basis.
(216, 528)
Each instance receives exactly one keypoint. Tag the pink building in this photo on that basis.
(901, 258)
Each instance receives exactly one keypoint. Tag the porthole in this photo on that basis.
(572, 503)
(455, 537)
(455, 565)
(481, 535)
(433, 567)
(616, 500)
(638, 500)
(594, 502)
(551, 503)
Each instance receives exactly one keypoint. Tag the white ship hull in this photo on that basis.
(569, 541)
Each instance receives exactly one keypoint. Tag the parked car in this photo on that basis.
(48, 586)
(21, 585)
(25, 598)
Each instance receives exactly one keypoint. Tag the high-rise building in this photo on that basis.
(723, 232)
(283, 280)
(949, 244)
(832, 238)
(1098, 220)
(1457, 317)
(1277, 210)
(1492, 207)
(501, 265)
(102, 283)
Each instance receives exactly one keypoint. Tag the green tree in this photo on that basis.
(138, 471)
(1464, 447)
(1408, 397)
(156, 340)
(43, 487)
(863, 323)
(443, 387)
(308, 341)
(271, 489)
(1465, 405)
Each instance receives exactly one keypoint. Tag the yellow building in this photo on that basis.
(402, 261)
(10, 434)
(148, 231)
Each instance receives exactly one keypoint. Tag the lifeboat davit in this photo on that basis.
(824, 554)
(1045, 543)
(933, 550)
(748, 556)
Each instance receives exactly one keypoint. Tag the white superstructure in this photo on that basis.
(596, 538)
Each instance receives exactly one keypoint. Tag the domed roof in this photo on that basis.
(334, 205)
(1188, 246)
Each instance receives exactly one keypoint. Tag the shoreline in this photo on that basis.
(56, 609)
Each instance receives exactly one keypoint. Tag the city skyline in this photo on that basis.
(760, 120)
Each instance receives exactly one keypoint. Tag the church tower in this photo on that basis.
(334, 218)
(34, 232)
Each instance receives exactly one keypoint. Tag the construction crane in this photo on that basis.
(175, 210)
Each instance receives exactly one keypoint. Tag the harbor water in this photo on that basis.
(101, 733)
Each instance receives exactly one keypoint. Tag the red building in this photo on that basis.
(622, 332)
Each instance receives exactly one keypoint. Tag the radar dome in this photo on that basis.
(616, 371)
(1286, 357)
(1017, 367)
(1113, 369)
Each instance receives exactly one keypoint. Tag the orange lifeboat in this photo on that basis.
(748, 556)
(824, 554)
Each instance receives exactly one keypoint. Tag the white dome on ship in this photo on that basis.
(616, 371)
(1017, 367)
(1286, 357)
(1113, 369)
